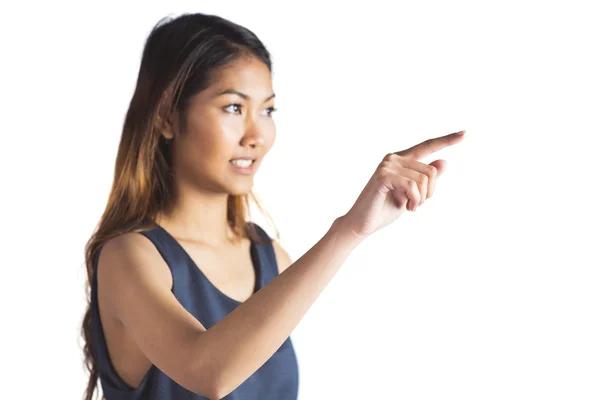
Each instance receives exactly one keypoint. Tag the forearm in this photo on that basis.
(247, 337)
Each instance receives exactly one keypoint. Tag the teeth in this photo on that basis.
(242, 163)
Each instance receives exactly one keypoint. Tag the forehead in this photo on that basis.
(247, 75)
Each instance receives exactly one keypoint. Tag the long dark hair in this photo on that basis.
(180, 58)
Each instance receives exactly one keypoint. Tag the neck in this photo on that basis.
(199, 217)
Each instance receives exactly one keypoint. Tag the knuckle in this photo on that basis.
(385, 164)
(384, 171)
(422, 179)
(432, 171)
(412, 185)
(390, 157)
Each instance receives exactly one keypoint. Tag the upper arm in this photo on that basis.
(140, 298)
(283, 258)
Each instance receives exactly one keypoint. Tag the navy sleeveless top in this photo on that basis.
(276, 379)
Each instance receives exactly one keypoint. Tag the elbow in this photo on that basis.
(208, 380)
(219, 387)
(214, 393)
(218, 390)
(213, 396)
(208, 389)
(212, 379)
(207, 386)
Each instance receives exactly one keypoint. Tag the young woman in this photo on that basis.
(188, 298)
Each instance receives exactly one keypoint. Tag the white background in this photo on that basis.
(489, 291)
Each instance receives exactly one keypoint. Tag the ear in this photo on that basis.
(168, 134)
(168, 128)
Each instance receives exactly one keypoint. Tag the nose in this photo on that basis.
(253, 137)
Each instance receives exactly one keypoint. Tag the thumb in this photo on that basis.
(440, 165)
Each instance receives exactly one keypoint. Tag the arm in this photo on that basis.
(214, 362)
(259, 326)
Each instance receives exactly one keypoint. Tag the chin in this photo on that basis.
(240, 190)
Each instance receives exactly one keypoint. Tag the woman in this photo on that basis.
(188, 299)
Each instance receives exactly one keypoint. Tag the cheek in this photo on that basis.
(270, 137)
(209, 137)
(192, 152)
(208, 150)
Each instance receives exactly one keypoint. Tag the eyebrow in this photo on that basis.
(242, 95)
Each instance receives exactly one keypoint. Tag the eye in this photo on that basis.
(233, 105)
(271, 111)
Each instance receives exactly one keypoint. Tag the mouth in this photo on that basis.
(243, 161)
(244, 166)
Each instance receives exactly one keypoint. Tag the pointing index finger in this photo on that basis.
(432, 145)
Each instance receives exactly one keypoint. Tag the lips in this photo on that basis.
(249, 170)
(244, 159)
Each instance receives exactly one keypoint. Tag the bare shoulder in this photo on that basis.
(283, 258)
(133, 246)
(134, 285)
(131, 257)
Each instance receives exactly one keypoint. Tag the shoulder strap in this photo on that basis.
(266, 254)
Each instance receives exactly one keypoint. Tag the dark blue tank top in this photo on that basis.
(277, 379)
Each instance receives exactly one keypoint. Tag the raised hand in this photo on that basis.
(400, 182)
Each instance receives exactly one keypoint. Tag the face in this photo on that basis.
(222, 126)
